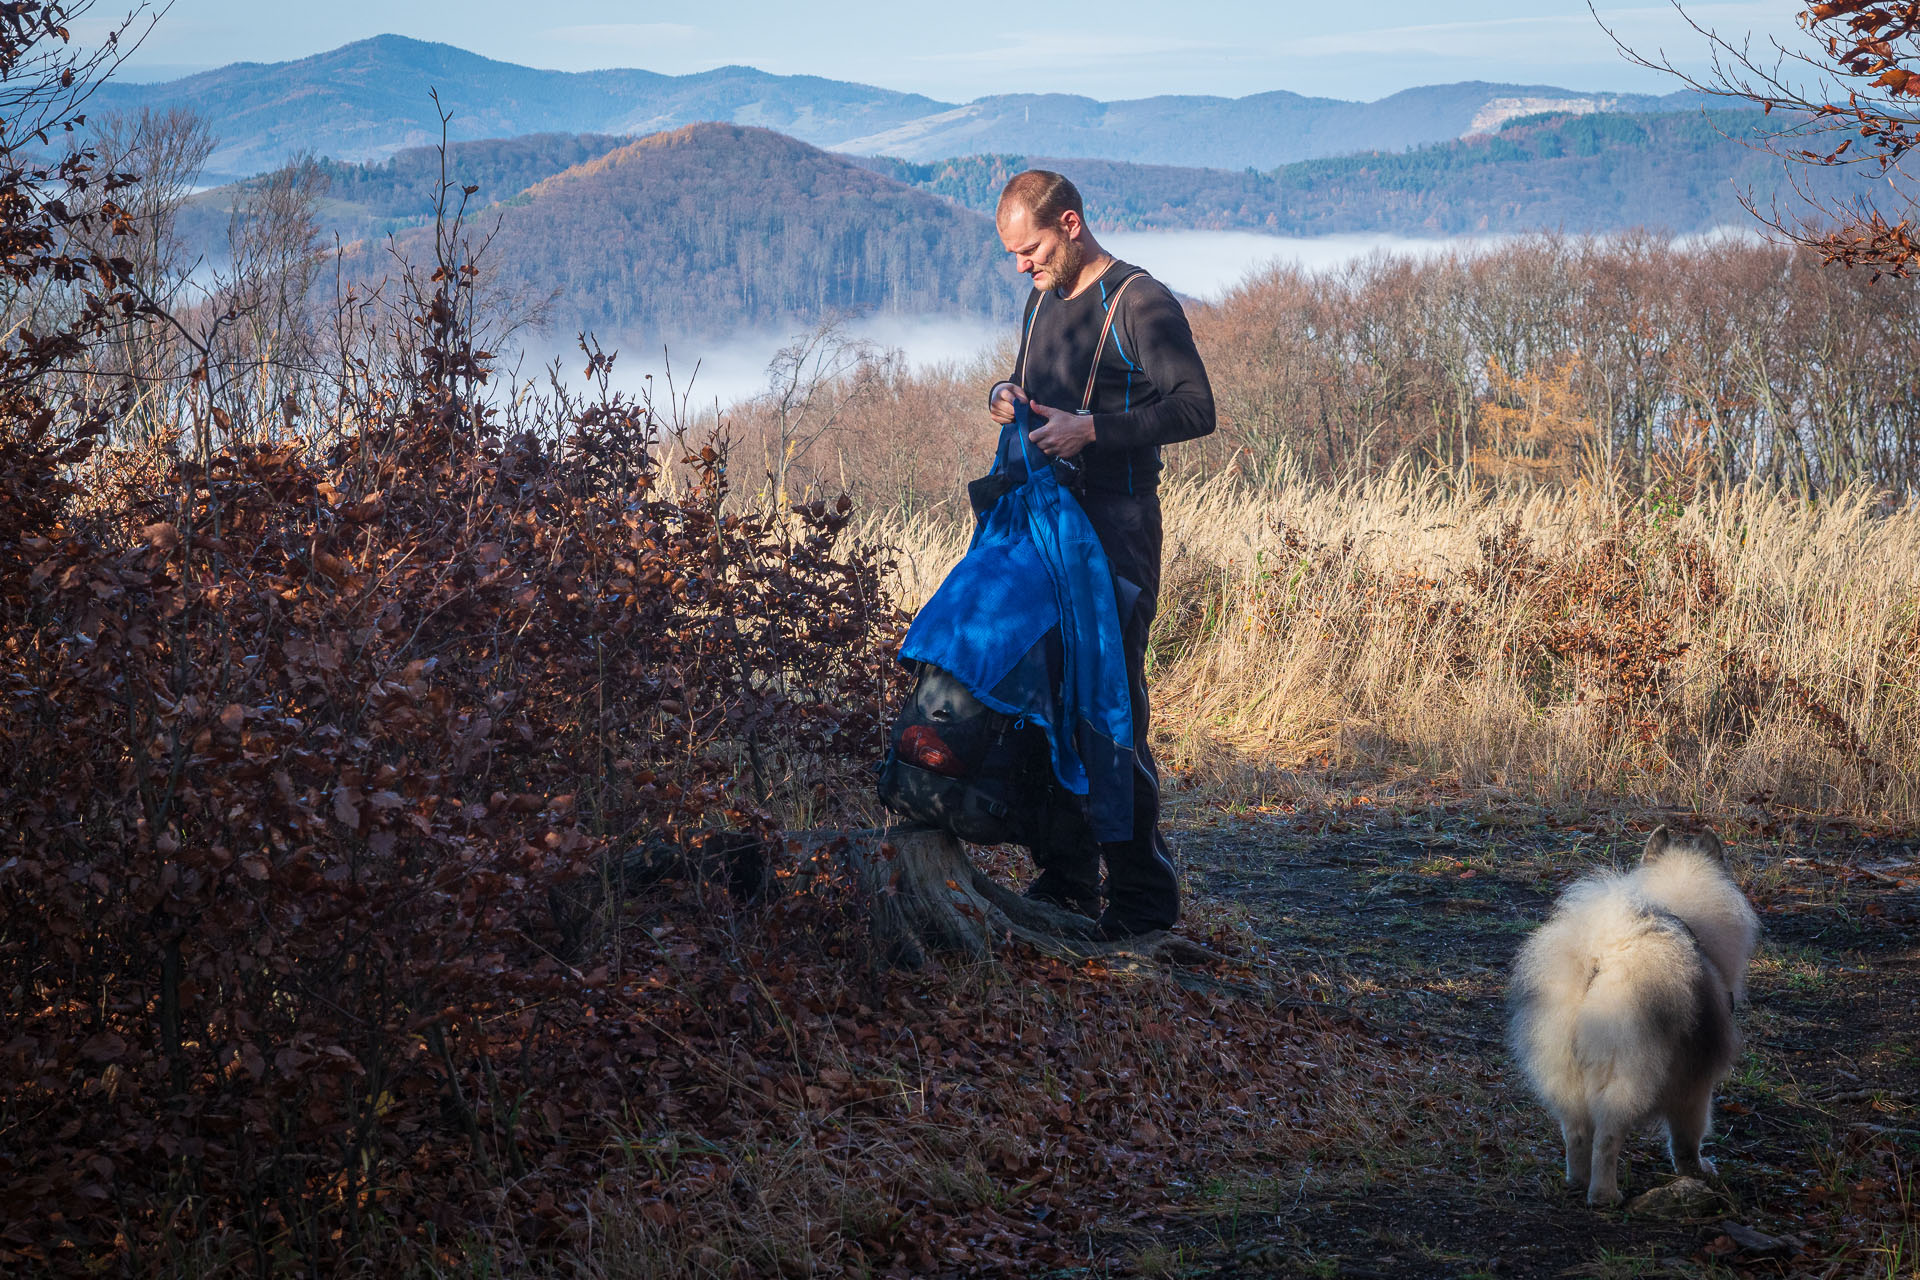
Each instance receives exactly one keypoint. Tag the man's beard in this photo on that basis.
(1064, 270)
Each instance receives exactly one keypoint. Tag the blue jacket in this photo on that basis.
(1029, 622)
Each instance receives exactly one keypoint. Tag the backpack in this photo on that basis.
(957, 764)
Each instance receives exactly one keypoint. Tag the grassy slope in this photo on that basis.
(1379, 797)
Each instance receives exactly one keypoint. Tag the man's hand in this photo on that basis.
(1005, 397)
(1064, 432)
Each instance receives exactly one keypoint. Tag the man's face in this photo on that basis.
(1051, 254)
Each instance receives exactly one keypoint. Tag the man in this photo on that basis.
(1147, 389)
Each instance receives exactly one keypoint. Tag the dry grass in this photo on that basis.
(1745, 647)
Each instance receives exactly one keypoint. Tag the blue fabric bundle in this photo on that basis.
(1029, 622)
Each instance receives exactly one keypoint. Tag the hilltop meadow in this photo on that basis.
(432, 806)
(1574, 517)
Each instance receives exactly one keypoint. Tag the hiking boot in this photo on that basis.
(1054, 890)
(1114, 929)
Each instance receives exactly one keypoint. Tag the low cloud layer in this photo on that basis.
(1207, 264)
(691, 379)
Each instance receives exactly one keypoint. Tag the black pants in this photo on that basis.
(1142, 890)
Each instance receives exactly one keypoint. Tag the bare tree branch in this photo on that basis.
(1846, 100)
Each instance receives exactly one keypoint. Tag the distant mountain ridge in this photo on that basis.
(1262, 131)
(368, 100)
(1586, 172)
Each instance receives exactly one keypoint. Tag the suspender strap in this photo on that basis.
(1113, 309)
(1026, 336)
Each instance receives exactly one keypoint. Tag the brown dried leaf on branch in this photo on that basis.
(1854, 82)
(1535, 426)
(297, 740)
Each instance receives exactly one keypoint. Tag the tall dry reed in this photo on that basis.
(1745, 648)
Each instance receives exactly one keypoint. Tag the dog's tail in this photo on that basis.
(1605, 995)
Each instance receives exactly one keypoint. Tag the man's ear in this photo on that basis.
(1071, 224)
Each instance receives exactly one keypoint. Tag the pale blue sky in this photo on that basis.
(960, 51)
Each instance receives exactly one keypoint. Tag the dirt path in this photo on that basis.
(1411, 924)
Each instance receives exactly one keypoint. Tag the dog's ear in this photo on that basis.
(1656, 843)
(1709, 844)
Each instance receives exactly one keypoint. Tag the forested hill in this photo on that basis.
(369, 99)
(401, 188)
(368, 200)
(1679, 171)
(715, 228)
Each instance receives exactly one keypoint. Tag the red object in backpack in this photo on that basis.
(961, 766)
(920, 745)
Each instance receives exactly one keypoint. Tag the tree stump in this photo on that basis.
(928, 899)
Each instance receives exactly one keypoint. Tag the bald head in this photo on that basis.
(1043, 194)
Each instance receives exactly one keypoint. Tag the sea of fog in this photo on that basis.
(1208, 264)
(1200, 264)
(688, 380)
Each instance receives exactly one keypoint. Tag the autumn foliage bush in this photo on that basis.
(298, 741)
(290, 779)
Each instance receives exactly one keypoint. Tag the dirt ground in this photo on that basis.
(1410, 921)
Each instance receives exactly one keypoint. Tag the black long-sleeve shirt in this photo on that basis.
(1151, 389)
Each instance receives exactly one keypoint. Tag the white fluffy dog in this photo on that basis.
(1623, 1005)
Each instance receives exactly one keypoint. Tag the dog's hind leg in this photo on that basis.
(1578, 1134)
(1603, 1187)
(1688, 1119)
(1701, 1059)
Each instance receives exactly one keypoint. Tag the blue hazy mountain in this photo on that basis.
(369, 99)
